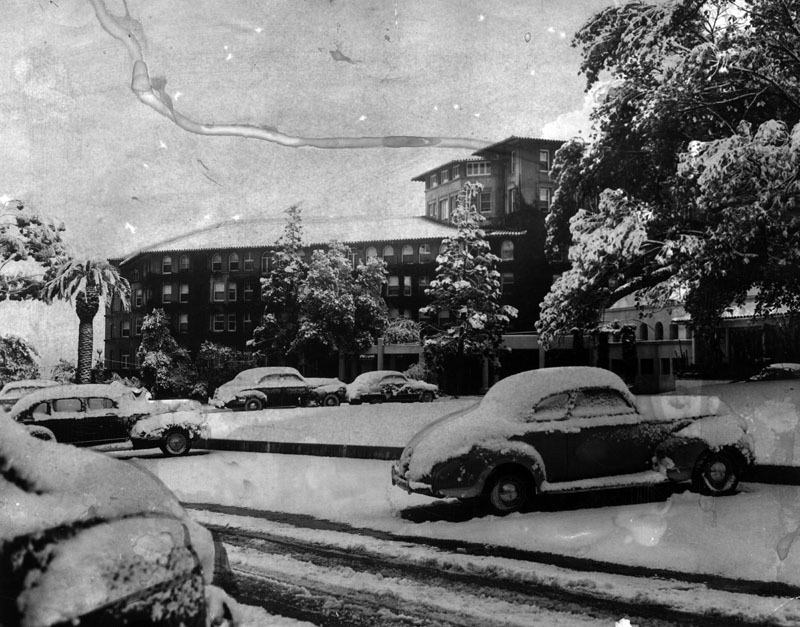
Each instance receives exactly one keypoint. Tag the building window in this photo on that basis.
(431, 209)
(166, 293)
(232, 292)
(232, 322)
(372, 252)
(183, 295)
(183, 263)
(424, 253)
(444, 176)
(406, 286)
(138, 298)
(136, 274)
(248, 290)
(388, 254)
(248, 262)
(424, 282)
(481, 168)
(507, 250)
(444, 209)
(545, 196)
(233, 262)
(511, 200)
(433, 181)
(514, 164)
(456, 172)
(219, 291)
(673, 331)
(216, 263)
(144, 271)
(183, 323)
(265, 263)
(486, 202)
(507, 282)
(393, 287)
(166, 265)
(408, 254)
(454, 201)
(126, 361)
(218, 323)
(137, 325)
(125, 328)
(658, 333)
(247, 319)
(442, 248)
(643, 332)
(544, 161)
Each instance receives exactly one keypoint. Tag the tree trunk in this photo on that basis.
(86, 306)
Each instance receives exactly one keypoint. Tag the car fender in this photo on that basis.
(245, 394)
(678, 455)
(465, 476)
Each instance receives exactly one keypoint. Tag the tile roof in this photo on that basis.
(256, 233)
(424, 175)
(506, 145)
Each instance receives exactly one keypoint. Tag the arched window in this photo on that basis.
(216, 262)
(184, 263)
(507, 250)
(659, 331)
(388, 254)
(643, 332)
(265, 262)
(372, 252)
(166, 265)
(424, 253)
(408, 253)
(233, 262)
(673, 331)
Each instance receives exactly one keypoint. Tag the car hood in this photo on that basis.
(229, 391)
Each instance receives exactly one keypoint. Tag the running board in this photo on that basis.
(633, 480)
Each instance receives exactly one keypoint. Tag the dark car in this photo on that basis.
(573, 429)
(777, 372)
(94, 540)
(88, 414)
(380, 386)
(276, 386)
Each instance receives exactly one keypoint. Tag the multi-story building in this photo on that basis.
(207, 280)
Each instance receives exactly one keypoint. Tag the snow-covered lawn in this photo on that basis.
(749, 535)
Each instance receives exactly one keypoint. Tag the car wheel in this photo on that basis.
(175, 443)
(331, 400)
(253, 404)
(426, 397)
(506, 492)
(42, 433)
(716, 474)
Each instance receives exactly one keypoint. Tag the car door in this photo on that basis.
(271, 385)
(294, 389)
(607, 436)
(67, 420)
(104, 415)
(393, 387)
(545, 432)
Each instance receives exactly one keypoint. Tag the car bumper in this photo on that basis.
(399, 480)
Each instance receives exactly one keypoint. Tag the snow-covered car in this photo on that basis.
(173, 432)
(276, 386)
(89, 414)
(777, 371)
(88, 539)
(380, 386)
(15, 390)
(573, 429)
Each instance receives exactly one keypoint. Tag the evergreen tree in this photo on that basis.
(17, 359)
(280, 291)
(165, 368)
(467, 286)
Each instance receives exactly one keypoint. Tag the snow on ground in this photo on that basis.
(387, 424)
(750, 535)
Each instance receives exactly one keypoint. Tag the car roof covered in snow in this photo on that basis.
(520, 392)
(376, 374)
(28, 383)
(256, 373)
(81, 390)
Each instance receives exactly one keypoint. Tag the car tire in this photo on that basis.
(42, 433)
(176, 443)
(506, 492)
(330, 400)
(253, 404)
(716, 474)
(426, 397)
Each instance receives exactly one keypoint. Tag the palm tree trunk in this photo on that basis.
(83, 373)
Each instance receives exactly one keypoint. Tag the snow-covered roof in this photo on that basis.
(82, 390)
(262, 232)
(27, 383)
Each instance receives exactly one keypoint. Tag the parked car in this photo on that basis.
(777, 371)
(382, 386)
(173, 432)
(573, 429)
(277, 386)
(96, 540)
(89, 414)
(15, 390)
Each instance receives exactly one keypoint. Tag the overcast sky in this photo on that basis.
(78, 145)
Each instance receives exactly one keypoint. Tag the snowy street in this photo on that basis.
(661, 556)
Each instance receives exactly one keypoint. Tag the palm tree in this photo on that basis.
(85, 282)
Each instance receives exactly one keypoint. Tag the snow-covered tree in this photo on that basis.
(17, 359)
(467, 287)
(165, 367)
(341, 309)
(688, 185)
(280, 290)
(30, 246)
(402, 331)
